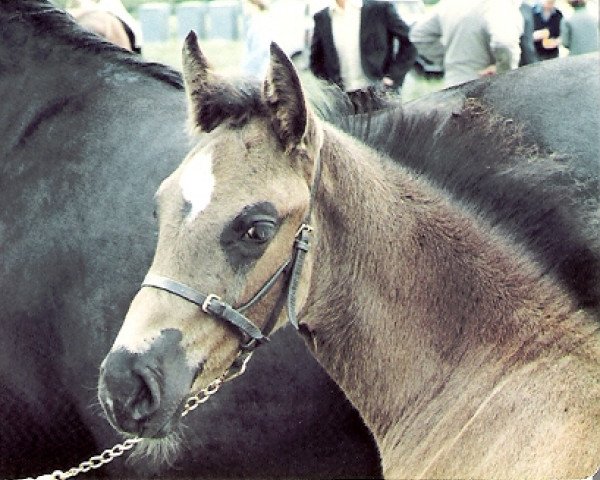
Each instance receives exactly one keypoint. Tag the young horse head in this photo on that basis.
(448, 338)
(227, 219)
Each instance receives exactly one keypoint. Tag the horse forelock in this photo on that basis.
(46, 19)
(233, 102)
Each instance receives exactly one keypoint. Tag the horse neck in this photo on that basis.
(408, 290)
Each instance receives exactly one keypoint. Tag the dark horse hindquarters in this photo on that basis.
(88, 133)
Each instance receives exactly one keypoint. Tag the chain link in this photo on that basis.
(110, 454)
(202, 396)
(93, 463)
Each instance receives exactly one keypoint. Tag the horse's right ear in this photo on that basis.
(196, 77)
(284, 96)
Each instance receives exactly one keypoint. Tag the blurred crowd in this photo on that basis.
(357, 44)
(475, 38)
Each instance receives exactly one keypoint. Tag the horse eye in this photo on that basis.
(260, 232)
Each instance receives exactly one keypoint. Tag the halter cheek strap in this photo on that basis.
(213, 305)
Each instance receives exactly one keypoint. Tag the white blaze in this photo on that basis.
(197, 182)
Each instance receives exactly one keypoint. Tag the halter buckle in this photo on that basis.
(304, 228)
(209, 299)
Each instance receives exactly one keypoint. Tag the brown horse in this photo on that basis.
(465, 354)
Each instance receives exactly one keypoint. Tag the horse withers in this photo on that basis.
(439, 300)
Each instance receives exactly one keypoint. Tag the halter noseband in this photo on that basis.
(212, 304)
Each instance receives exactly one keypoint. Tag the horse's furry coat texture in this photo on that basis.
(452, 286)
(452, 290)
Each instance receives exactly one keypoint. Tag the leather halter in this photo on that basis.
(212, 304)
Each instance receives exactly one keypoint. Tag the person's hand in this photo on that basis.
(387, 82)
(550, 43)
(541, 34)
(488, 71)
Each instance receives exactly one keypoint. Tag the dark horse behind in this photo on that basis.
(88, 132)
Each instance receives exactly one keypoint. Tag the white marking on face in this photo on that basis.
(197, 182)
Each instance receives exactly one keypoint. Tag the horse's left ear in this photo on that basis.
(197, 78)
(290, 115)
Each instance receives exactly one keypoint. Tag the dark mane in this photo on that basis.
(238, 100)
(233, 101)
(545, 201)
(45, 18)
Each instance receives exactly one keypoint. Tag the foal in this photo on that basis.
(464, 358)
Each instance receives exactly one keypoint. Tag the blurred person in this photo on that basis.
(473, 38)
(579, 31)
(109, 19)
(528, 53)
(354, 45)
(257, 38)
(546, 24)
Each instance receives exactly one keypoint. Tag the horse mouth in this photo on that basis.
(157, 430)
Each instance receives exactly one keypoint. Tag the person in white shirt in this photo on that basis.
(357, 45)
(257, 38)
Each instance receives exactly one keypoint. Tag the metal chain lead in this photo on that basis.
(93, 463)
(110, 454)
(202, 396)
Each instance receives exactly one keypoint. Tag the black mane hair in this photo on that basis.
(45, 17)
(545, 201)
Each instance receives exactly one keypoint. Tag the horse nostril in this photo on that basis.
(129, 390)
(146, 400)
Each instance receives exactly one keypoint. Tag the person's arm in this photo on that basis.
(426, 36)
(406, 54)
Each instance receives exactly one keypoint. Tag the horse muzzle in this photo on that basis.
(142, 393)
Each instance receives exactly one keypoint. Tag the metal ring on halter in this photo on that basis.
(304, 227)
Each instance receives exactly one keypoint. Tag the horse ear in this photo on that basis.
(283, 94)
(196, 77)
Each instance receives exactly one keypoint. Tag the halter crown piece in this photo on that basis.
(212, 304)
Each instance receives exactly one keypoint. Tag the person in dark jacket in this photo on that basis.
(354, 45)
(546, 24)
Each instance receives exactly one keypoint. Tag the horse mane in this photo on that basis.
(45, 17)
(544, 201)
